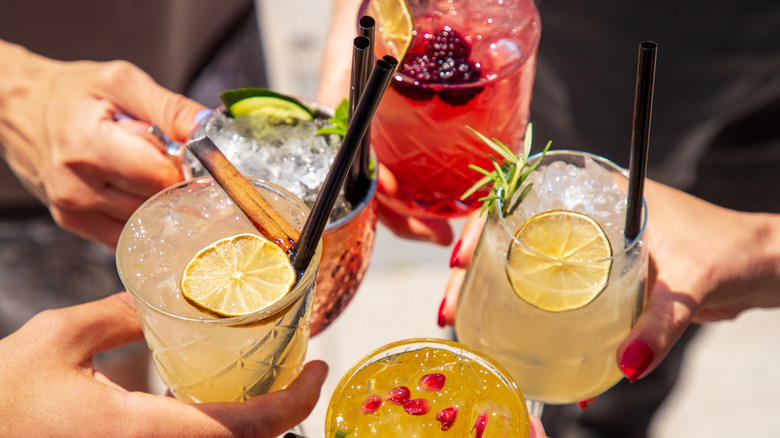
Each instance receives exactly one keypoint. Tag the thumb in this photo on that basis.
(660, 325)
(99, 326)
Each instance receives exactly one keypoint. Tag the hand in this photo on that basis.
(49, 388)
(59, 136)
(436, 231)
(707, 264)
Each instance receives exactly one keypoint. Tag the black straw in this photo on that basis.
(358, 179)
(640, 137)
(377, 83)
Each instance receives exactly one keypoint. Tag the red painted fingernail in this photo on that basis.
(454, 258)
(585, 403)
(442, 321)
(636, 359)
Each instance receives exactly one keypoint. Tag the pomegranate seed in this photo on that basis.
(432, 382)
(446, 417)
(585, 403)
(372, 404)
(398, 395)
(480, 425)
(418, 406)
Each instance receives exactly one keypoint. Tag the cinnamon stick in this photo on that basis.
(262, 215)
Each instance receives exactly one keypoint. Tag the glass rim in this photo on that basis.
(325, 111)
(304, 281)
(400, 77)
(414, 344)
(603, 161)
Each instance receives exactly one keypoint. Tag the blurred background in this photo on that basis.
(730, 376)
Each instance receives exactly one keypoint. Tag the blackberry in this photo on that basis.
(420, 68)
(447, 43)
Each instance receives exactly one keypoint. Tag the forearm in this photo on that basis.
(335, 70)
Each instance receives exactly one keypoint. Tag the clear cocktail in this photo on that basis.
(201, 357)
(469, 64)
(426, 388)
(554, 287)
(295, 157)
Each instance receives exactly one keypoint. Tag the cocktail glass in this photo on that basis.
(426, 388)
(348, 238)
(564, 356)
(202, 358)
(419, 130)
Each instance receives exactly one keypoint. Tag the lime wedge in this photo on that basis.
(245, 101)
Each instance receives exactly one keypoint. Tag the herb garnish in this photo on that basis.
(339, 121)
(508, 178)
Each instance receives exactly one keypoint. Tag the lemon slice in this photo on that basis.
(237, 275)
(393, 27)
(568, 263)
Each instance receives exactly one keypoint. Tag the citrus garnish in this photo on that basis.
(259, 101)
(393, 27)
(237, 275)
(568, 263)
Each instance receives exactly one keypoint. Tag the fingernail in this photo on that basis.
(636, 359)
(442, 314)
(585, 403)
(202, 114)
(454, 258)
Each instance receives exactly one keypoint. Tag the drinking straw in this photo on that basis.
(262, 215)
(366, 25)
(357, 179)
(312, 230)
(640, 137)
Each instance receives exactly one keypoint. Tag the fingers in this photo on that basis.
(436, 231)
(142, 98)
(87, 329)
(660, 325)
(271, 414)
(459, 262)
(536, 428)
(92, 225)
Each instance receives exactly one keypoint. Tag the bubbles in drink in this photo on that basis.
(290, 155)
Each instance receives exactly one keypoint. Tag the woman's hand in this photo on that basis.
(707, 264)
(49, 388)
(59, 135)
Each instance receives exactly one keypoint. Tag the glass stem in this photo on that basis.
(535, 407)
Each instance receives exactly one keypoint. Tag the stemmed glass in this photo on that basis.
(555, 321)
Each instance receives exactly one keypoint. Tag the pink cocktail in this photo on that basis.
(469, 64)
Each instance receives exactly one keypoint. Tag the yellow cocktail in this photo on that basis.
(426, 388)
(201, 357)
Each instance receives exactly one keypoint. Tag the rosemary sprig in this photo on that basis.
(508, 178)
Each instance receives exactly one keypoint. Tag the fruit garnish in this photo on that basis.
(447, 417)
(562, 263)
(418, 406)
(372, 404)
(432, 382)
(262, 102)
(507, 178)
(398, 395)
(480, 425)
(393, 26)
(237, 275)
(444, 60)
